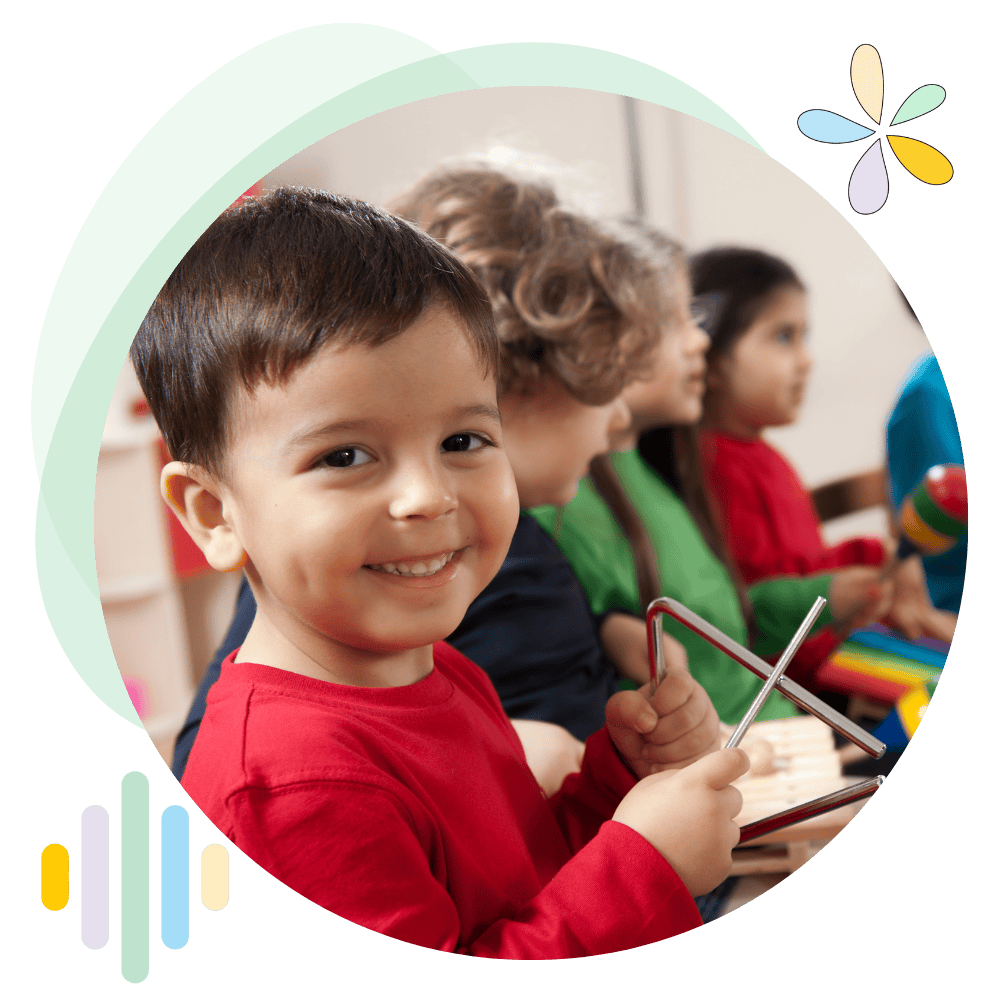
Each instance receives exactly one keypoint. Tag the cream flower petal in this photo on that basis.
(866, 79)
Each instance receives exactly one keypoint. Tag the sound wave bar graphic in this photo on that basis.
(174, 877)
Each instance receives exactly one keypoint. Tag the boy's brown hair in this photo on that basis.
(570, 300)
(267, 285)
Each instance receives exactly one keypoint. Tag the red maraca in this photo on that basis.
(935, 513)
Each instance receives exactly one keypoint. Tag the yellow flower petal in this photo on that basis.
(925, 162)
(866, 79)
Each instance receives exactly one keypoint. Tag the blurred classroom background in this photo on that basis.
(607, 155)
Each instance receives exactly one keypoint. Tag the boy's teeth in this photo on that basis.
(415, 569)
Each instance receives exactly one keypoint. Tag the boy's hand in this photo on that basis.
(687, 816)
(911, 613)
(674, 728)
(859, 596)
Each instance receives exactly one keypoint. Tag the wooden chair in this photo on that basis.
(849, 495)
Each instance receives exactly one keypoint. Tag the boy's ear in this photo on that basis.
(193, 496)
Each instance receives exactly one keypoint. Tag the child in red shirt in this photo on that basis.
(758, 369)
(325, 377)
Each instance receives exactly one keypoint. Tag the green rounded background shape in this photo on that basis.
(218, 140)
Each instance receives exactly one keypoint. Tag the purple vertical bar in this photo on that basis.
(94, 891)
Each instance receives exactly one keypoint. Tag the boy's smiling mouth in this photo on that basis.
(422, 567)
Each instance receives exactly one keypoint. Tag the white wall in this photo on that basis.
(577, 134)
(704, 186)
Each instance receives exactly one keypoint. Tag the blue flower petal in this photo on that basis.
(825, 126)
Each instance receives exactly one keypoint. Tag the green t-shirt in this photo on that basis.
(588, 535)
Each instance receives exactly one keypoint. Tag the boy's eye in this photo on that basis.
(345, 458)
(463, 442)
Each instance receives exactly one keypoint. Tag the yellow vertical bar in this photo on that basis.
(55, 877)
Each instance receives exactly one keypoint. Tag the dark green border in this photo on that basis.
(901, 903)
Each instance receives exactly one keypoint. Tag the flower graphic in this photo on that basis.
(868, 187)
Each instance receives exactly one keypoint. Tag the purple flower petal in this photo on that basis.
(868, 187)
(825, 126)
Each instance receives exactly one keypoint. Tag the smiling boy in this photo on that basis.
(371, 527)
(325, 378)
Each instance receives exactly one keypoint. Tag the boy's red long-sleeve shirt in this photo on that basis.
(411, 810)
(770, 525)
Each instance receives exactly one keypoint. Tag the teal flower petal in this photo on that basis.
(825, 126)
(923, 99)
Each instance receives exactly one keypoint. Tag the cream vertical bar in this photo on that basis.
(135, 877)
(174, 877)
(94, 872)
(215, 877)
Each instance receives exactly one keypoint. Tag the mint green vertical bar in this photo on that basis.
(135, 877)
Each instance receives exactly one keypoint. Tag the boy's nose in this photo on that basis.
(422, 492)
(698, 340)
(805, 361)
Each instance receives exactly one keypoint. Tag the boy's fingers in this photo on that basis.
(674, 655)
(696, 714)
(673, 691)
(690, 746)
(630, 710)
(734, 835)
(692, 726)
(721, 768)
(732, 800)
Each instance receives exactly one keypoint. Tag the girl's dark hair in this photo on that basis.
(571, 300)
(271, 282)
(675, 454)
(735, 284)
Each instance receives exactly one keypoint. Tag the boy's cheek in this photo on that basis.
(510, 507)
(500, 512)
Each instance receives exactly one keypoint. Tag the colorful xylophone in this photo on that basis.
(878, 665)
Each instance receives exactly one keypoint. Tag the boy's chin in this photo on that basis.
(624, 440)
(564, 494)
(417, 633)
(785, 419)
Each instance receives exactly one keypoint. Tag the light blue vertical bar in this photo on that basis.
(94, 872)
(174, 877)
(135, 877)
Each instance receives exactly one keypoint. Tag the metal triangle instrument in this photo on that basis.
(795, 693)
